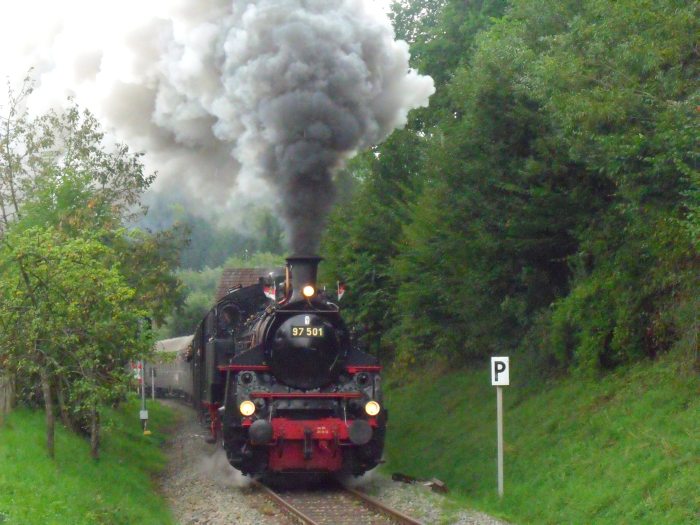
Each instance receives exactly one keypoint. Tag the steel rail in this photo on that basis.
(369, 502)
(288, 507)
(378, 506)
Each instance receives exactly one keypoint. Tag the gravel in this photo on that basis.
(420, 502)
(203, 489)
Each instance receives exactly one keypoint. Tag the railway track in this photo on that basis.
(335, 505)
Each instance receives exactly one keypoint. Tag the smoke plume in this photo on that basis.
(259, 99)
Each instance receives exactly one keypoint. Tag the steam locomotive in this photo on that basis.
(283, 382)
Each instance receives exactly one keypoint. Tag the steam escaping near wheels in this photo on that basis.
(262, 99)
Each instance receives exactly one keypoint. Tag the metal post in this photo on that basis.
(499, 426)
(143, 386)
(153, 383)
(144, 413)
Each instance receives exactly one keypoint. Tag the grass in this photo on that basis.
(73, 488)
(621, 449)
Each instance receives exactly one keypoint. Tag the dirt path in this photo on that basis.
(202, 488)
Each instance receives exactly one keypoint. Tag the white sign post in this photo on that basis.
(143, 413)
(500, 376)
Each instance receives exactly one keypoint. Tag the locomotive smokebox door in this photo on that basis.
(307, 352)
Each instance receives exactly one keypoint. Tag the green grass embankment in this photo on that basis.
(624, 449)
(73, 488)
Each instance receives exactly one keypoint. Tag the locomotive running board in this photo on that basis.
(352, 369)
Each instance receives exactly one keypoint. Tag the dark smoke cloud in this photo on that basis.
(308, 83)
(246, 100)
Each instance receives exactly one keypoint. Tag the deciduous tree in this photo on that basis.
(75, 280)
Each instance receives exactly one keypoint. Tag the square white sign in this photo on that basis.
(500, 371)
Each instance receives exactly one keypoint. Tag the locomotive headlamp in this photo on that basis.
(308, 291)
(372, 408)
(247, 408)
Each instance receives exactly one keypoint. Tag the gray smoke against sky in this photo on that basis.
(232, 101)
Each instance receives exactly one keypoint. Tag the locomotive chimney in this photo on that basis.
(303, 273)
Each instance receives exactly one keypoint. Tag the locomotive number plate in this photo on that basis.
(307, 331)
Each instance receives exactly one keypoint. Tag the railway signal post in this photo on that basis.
(500, 377)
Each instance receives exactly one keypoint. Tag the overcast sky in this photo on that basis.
(34, 32)
(199, 84)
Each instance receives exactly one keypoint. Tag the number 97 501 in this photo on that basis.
(307, 331)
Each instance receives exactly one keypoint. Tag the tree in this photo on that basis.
(17, 145)
(560, 178)
(365, 233)
(68, 314)
(76, 280)
(553, 206)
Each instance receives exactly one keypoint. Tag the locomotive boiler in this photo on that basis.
(284, 384)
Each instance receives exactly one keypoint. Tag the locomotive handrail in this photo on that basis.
(306, 395)
(241, 368)
(354, 369)
(334, 310)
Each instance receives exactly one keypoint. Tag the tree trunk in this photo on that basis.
(50, 418)
(12, 402)
(95, 434)
(6, 393)
(65, 416)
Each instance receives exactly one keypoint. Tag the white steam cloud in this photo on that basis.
(216, 468)
(262, 98)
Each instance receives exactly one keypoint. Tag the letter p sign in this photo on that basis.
(500, 371)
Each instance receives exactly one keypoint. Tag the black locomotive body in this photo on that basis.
(283, 383)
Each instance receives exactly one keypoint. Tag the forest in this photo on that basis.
(546, 205)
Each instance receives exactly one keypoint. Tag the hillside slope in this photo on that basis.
(621, 449)
(74, 489)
